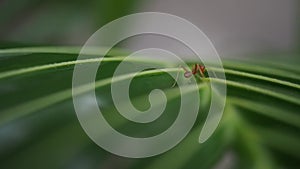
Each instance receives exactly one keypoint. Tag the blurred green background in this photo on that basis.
(257, 130)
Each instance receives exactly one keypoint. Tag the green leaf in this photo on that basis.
(39, 127)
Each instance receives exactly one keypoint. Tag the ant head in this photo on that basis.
(188, 74)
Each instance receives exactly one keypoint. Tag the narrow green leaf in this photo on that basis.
(274, 111)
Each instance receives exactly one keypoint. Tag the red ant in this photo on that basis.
(196, 69)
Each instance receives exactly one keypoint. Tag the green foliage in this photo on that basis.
(39, 129)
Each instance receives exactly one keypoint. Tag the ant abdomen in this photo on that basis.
(188, 74)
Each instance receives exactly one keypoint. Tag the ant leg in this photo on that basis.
(185, 69)
(187, 74)
(200, 71)
(176, 78)
(194, 70)
(202, 74)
